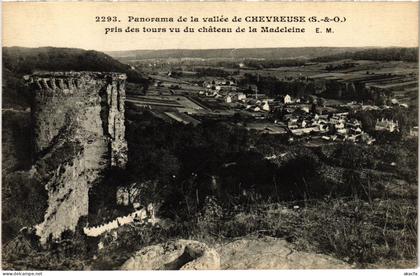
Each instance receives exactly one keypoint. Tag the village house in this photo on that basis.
(329, 138)
(386, 125)
(339, 125)
(239, 97)
(302, 123)
(287, 99)
(292, 122)
(353, 123)
(211, 93)
(304, 108)
(341, 131)
(304, 130)
(266, 106)
(352, 138)
(235, 97)
(316, 120)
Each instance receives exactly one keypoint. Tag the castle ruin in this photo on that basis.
(78, 132)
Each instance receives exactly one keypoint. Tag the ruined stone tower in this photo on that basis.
(78, 132)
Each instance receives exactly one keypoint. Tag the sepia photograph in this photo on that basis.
(209, 136)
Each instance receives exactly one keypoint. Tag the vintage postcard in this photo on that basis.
(209, 136)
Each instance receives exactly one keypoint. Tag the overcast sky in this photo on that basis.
(73, 25)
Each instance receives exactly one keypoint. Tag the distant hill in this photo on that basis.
(26, 60)
(380, 54)
(313, 53)
(262, 53)
(18, 61)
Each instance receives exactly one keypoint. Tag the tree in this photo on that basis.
(321, 102)
(24, 202)
(367, 120)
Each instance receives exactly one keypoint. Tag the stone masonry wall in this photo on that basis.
(78, 132)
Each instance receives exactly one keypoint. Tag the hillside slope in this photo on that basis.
(379, 54)
(321, 54)
(261, 53)
(18, 61)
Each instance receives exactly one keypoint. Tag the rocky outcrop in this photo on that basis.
(78, 131)
(180, 254)
(244, 253)
(272, 253)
